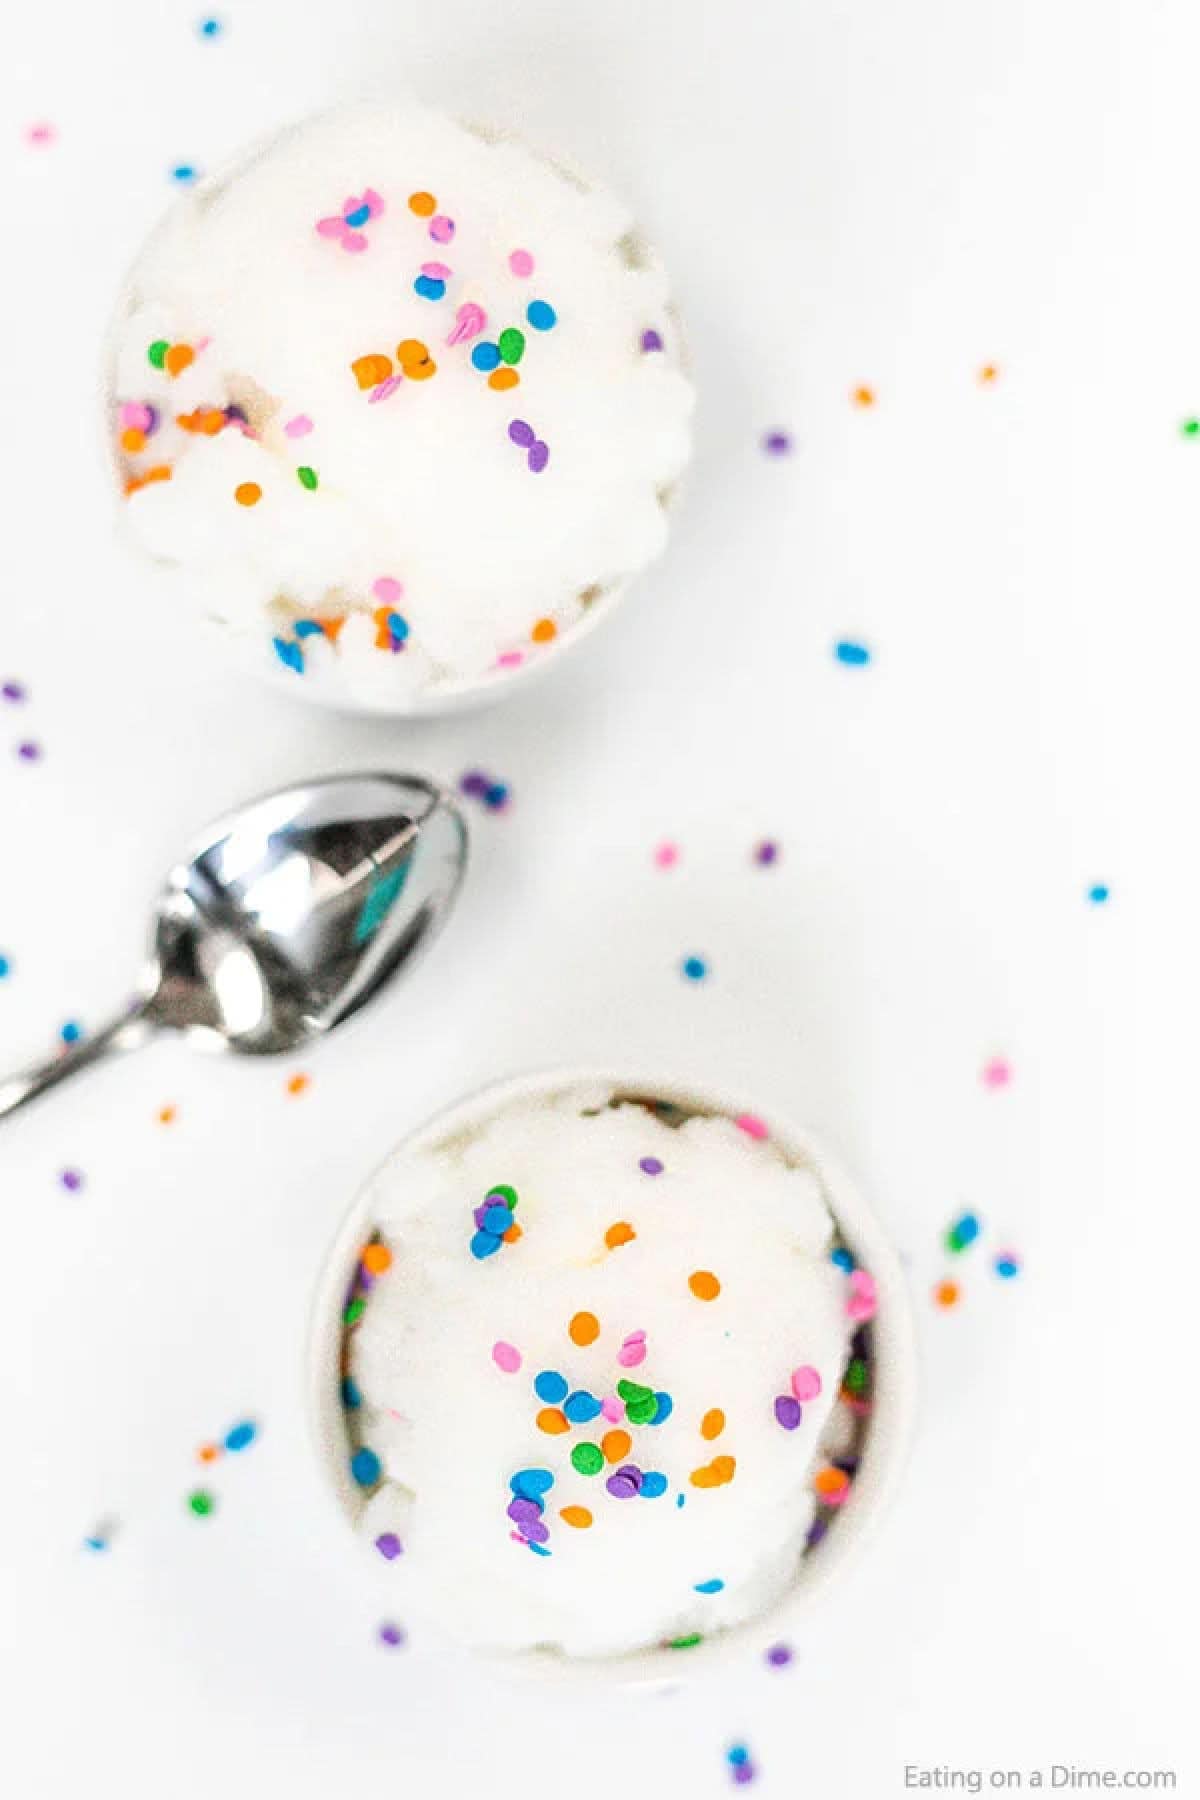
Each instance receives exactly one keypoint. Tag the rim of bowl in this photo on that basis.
(887, 1439)
(461, 695)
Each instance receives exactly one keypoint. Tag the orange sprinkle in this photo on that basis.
(619, 1234)
(584, 1328)
(421, 371)
(724, 1467)
(552, 1421)
(178, 358)
(831, 1483)
(207, 419)
(988, 372)
(376, 1259)
(704, 1284)
(501, 380)
(947, 1293)
(410, 351)
(704, 1477)
(208, 1453)
(247, 493)
(369, 371)
(422, 204)
(544, 632)
(167, 1115)
(133, 440)
(713, 1423)
(298, 1083)
(512, 1234)
(331, 628)
(579, 1516)
(864, 396)
(160, 472)
(616, 1446)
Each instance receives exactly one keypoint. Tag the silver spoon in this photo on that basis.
(285, 918)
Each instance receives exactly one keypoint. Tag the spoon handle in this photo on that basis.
(128, 1032)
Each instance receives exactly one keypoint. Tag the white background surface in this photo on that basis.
(870, 193)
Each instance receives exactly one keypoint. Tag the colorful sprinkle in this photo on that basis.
(506, 1357)
(694, 968)
(779, 1656)
(714, 1586)
(806, 1382)
(787, 1411)
(654, 1485)
(832, 1485)
(712, 1424)
(1007, 1264)
(862, 1300)
(365, 1467)
(241, 1435)
(532, 1483)
(469, 321)
(578, 1516)
(777, 443)
(587, 1459)
(766, 854)
(851, 654)
(584, 1328)
(616, 1445)
(307, 477)
(666, 856)
(71, 1179)
(41, 134)
(550, 1387)
(947, 1294)
(376, 1259)
(298, 426)
(963, 1232)
(423, 204)
(391, 1635)
(632, 1351)
(1098, 893)
(704, 1284)
(581, 1407)
(156, 355)
(625, 1484)
(201, 1502)
(552, 1421)
(210, 28)
(539, 456)
(511, 345)
(864, 396)
(441, 229)
(247, 493)
(485, 357)
(651, 340)
(541, 315)
(544, 632)
(298, 1083)
(184, 174)
(997, 1073)
(752, 1125)
(650, 1165)
(521, 263)
(618, 1234)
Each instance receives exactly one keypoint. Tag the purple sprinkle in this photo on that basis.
(744, 1772)
(816, 1532)
(651, 340)
(650, 1165)
(479, 1215)
(522, 433)
(234, 414)
(72, 1180)
(631, 1472)
(777, 443)
(766, 853)
(621, 1488)
(474, 783)
(524, 1511)
(29, 751)
(15, 692)
(779, 1655)
(389, 1545)
(390, 1634)
(535, 1532)
(539, 456)
(787, 1411)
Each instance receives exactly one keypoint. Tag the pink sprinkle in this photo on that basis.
(469, 321)
(388, 590)
(632, 1352)
(521, 263)
(806, 1382)
(506, 1357)
(300, 426)
(666, 856)
(437, 271)
(331, 227)
(41, 134)
(136, 417)
(385, 390)
(997, 1073)
(372, 201)
(838, 1498)
(510, 659)
(441, 229)
(752, 1125)
(354, 240)
(862, 1302)
(612, 1408)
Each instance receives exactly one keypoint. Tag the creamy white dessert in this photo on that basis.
(404, 401)
(602, 1382)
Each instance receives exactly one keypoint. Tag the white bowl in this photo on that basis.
(894, 1379)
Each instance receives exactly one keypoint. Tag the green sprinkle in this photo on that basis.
(685, 1643)
(633, 1394)
(156, 355)
(511, 345)
(1190, 427)
(856, 1375)
(202, 1502)
(588, 1459)
(307, 478)
(355, 1310)
(642, 1412)
(505, 1193)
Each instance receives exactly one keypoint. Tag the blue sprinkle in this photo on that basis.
(496, 796)
(289, 654)
(1007, 1267)
(581, 1408)
(680, 1499)
(95, 1543)
(842, 1259)
(5, 967)
(485, 357)
(666, 1406)
(497, 1220)
(210, 28)
(397, 625)
(532, 1483)
(549, 1386)
(365, 1467)
(351, 1394)
(539, 1549)
(695, 968)
(240, 1435)
(654, 1484)
(1098, 894)
(484, 1244)
(430, 289)
(855, 656)
(71, 1032)
(306, 628)
(358, 217)
(739, 1755)
(183, 173)
(711, 1587)
(965, 1230)
(541, 315)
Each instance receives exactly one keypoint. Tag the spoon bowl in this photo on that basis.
(285, 918)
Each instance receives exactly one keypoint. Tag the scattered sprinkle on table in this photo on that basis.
(241, 1435)
(29, 751)
(506, 1357)
(391, 1635)
(694, 968)
(766, 853)
(584, 1328)
(210, 27)
(851, 654)
(247, 493)
(996, 1073)
(5, 967)
(201, 1502)
(666, 855)
(650, 1165)
(713, 1586)
(389, 1546)
(704, 1284)
(1007, 1264)
(41, 134)
(779, 1656)
(946, 1294)
(863, 396)
(365, 1467)
(962, 1233)
(740, 1766)
(167, 1115)
(988, 374)
(71, 1179)
(1098, 893)
(777, 443)
(14, 692)
(298, 1084)
(184, 174)
(1190, 427)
